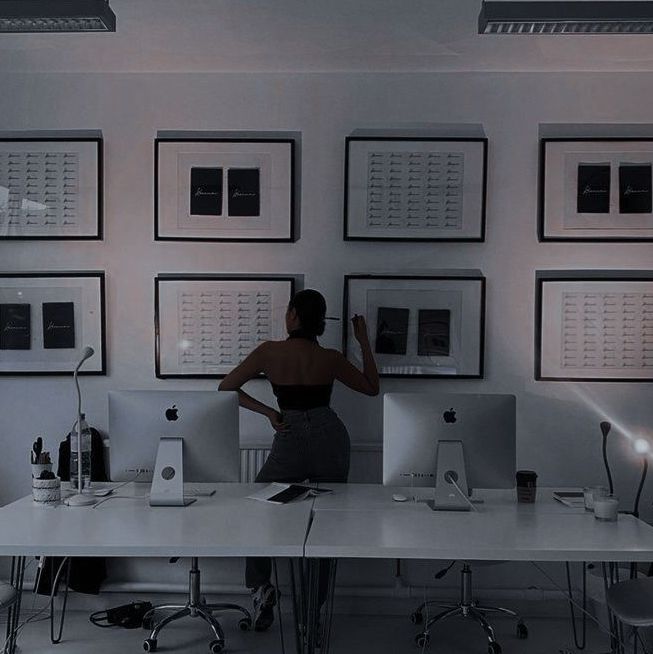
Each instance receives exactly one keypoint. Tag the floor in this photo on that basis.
(352, 635)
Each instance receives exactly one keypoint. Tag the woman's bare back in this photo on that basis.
(299, 361)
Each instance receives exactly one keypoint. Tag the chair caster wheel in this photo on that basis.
(416, 617)
(494, 648)
(245, 624)
(215, 646)
(522, 631)
(149, 645)
(422, 640)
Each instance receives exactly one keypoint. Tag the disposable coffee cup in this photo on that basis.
(526, 486)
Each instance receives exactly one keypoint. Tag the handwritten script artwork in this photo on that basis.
(15, 326)
(415, 190)
(607, 330)
(593, 188)
(220, 328)
(39, 191)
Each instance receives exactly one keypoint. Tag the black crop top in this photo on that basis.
(302, 397)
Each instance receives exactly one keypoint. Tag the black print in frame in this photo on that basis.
(58, 325)
(593, 188)
(206, 191)
(635, 188)
(244, 192)
(433, 332)
(15, 327)
(391, 330)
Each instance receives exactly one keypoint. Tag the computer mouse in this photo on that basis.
(398, 497)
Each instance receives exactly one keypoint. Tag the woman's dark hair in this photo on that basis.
(311, 309)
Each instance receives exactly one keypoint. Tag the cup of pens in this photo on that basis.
(40, 460)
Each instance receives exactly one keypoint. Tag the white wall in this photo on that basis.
(558, 431)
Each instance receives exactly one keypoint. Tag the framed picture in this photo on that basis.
(205, 325)
(419, 326)
(594, 189)
(225, 189)
(51, 188)
(47, 319)
(415, 189)
(594, 326)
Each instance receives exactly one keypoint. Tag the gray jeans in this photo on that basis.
(315, 447)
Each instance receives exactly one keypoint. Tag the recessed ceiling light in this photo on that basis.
(566, 17)
(56, 16)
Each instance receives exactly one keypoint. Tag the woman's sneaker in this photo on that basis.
(264, 599)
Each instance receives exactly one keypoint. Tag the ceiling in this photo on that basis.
(313, 36)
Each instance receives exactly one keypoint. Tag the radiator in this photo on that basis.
(252, 459)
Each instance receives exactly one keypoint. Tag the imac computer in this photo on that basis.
(449, 442)
(207, 421)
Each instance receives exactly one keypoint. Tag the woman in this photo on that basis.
(310, 442)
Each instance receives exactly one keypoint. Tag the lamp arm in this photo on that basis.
(605, 458)
(79, 394)
(640, 487)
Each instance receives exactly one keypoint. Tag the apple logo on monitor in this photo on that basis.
(449, 416)
(171, 413)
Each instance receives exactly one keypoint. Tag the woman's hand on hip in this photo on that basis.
(276, 420)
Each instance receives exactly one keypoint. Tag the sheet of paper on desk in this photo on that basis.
(278, 493)
(573, 499)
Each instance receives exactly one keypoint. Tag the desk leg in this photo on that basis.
(279, 612)
(298, 615)
(579, 644)
(55, 584)
(13, 620)
(328, 604)
(319, 572)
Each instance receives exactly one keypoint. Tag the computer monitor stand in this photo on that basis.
(168, 479)
(450, 493)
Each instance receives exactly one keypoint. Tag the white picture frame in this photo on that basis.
(415, 188)
(51, 188)
(564, 216)
(594, 326)
(41, 297)
(456, 346)
(205, 325)
(258, 208)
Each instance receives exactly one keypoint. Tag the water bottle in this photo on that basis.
(86, 455)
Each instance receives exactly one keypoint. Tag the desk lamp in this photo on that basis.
(80, 499)
(641, 447)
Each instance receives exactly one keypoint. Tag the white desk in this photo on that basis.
(226, 524)
(223, 525)
(362, 521)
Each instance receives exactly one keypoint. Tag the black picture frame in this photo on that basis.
(162, 278)
(473, 277)
(98, 234)
(100, 326)
(542, 277)
(293, 190)
(349, 140)
(544, 234)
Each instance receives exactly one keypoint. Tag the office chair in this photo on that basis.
(632, 602)
(195, 607)
(467, 608)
